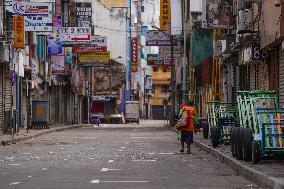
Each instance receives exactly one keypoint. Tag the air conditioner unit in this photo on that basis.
(244, 20)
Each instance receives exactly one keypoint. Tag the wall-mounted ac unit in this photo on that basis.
(244, 20)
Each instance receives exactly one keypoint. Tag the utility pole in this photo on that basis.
(184, 60)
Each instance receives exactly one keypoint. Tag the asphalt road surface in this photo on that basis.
(118, 157)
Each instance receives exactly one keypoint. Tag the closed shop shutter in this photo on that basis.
(252, 77)
(8, 91)
(281, 78)
(262, 76)
(1, 97)
(274, 71)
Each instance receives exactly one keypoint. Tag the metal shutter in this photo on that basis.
(262, 76)
(1, 97)
(252, 77)
(281, 78)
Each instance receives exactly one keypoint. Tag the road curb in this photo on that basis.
(20, 139)
(241, 169)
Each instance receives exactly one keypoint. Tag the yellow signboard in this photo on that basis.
(165, 15)
(94, 57)
(19, 32)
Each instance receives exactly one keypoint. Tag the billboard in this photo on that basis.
(19, 32)
(25, 8)
(76, 35)
(165, 15)
(55, 38)
(217, 14)
(159, 38)
(176, 18)
(177, 50)
(93, 57)
(38, 23)
(155, 59)
(84, 14)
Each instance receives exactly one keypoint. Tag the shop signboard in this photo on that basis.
(167, 50)
(176, 18)
(159, 38)
(155, 59)
(38, 23)
(134, 50)
(25, 8)
(84, 14)
(19, 32)
(68, 55)
(76, 35)
(55, 38)
(165, 15)
(93, 57)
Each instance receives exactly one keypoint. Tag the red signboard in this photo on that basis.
(78, 49)
(134, 50)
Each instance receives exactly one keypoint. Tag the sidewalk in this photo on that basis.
(268, 173)
(22, 135)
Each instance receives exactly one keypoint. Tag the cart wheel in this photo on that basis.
(255, 152)
(205, 130)
(232, 138)
(247, 144)
(214, 136)
(240, 136)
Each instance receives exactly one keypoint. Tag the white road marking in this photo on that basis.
(152, 153)
(111, 161)
(15, 183)
(92, 158)
(122, 147)
(107, 169)
(166, 153)
(30, 176)
(118, 181)
(14, 164)
(37, 157)
(150, 160)
(44, 169)
(120, 150)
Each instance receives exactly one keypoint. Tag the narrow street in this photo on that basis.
(113, 156)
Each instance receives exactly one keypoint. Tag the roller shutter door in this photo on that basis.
(281, 78)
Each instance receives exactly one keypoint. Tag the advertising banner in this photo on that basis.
(165, 15)
(25, 8)
(76, 35)
(134, 49)
(176, 18)
(84, 14)
(68, 55)
(177, 50)
(155, 59)
(55, 39)
(38, 23)
(19, 32)
(217, 14)
(94, 57)
(57, 65)
(97, 44)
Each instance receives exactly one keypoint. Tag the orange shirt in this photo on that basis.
(190, 122)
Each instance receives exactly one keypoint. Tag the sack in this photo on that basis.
(182, 122)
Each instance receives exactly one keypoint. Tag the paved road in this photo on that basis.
(134, 156)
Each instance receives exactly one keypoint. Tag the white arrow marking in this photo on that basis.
(15, 183)
(107, 169)
(118, 181)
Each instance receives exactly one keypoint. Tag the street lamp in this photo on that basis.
(110, 78)
(172, 75)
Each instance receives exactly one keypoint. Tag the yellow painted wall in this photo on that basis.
(160, 78)
(113, 3)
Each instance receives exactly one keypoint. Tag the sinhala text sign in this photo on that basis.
(76, 35)
(28, 8)
(159, 38)
(155, 59)
(38, 23)
(97, 44)
(93, 57)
